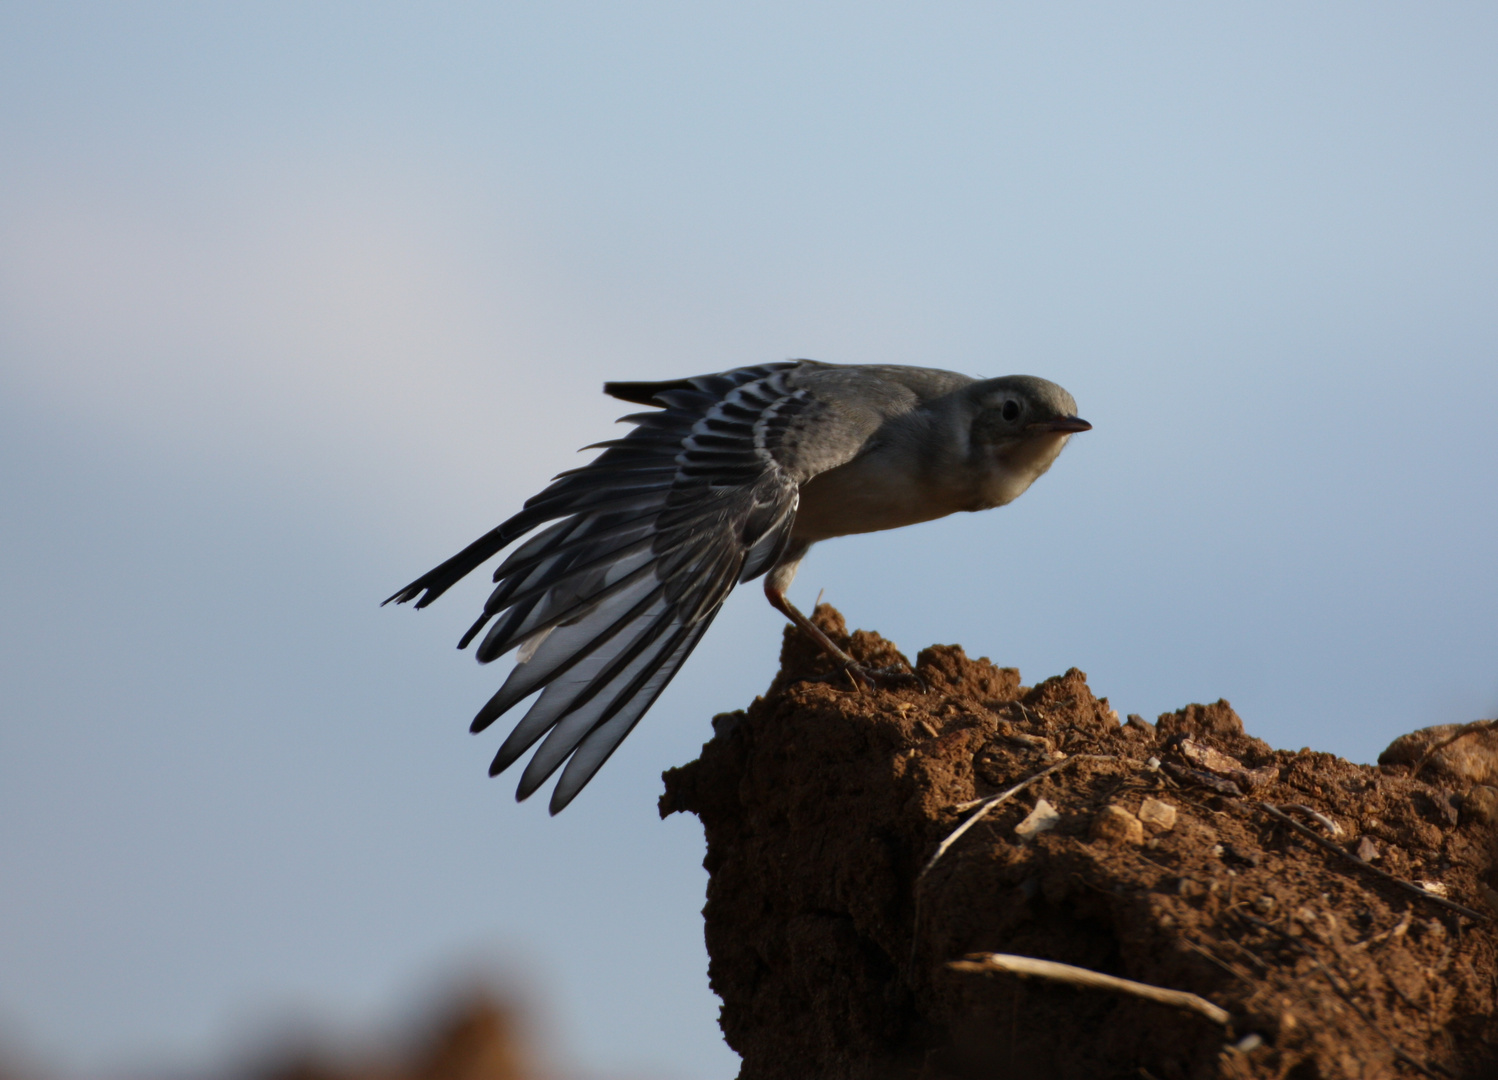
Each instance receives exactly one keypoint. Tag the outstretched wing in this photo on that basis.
(645, 543)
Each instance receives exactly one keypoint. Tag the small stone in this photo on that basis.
(1043, 818)
(1320, 925)
(1190, 888)
(1489, 896)
(1158, 815)
(1446, 807)
(1367, 849)
(1035, 742)
(1220, 764)
(1263, 903)
(1231, 854)
(1481, 805)
(1435, 888)
(1117, 826)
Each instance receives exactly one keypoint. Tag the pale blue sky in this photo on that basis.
(296, 302)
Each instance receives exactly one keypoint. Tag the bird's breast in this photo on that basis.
(868, 495)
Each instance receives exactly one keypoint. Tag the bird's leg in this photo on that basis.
(858, 673)
(781, 603)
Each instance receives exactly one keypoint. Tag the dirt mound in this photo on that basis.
(1181, 854)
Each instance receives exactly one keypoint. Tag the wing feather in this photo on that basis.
(569, 644)
(625, 563)
(562, 695)
(601, 742)
(645, 656)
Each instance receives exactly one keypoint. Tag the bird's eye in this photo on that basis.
(1010, 410)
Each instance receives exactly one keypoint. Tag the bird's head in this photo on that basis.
(1019, 425)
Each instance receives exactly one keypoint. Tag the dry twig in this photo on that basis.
(1394, 932)
(985, 805)
(1326, 823)
(1231, 969)
(1408, 886)
(1027, 966)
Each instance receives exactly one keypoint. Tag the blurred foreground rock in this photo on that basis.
(830, 928)
(476, 1038)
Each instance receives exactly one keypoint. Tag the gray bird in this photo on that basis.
(728, 477)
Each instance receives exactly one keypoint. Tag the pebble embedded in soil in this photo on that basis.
(1157, 815)
(1117, 826)
(1043, 818)
(1481, 804)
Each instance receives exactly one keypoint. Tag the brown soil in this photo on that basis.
(830, 948)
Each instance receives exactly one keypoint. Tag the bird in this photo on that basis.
(724, 478)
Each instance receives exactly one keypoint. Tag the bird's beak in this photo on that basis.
(1067, 425)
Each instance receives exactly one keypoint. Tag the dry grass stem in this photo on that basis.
(1408, 886)
(1394, 932)
(1029, 967)
(1326, 823)
(985, 805)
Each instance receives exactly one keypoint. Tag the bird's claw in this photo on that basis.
(864, 677)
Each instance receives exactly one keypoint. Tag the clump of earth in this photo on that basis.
(848, 929)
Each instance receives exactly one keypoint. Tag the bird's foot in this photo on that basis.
(862, 676)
